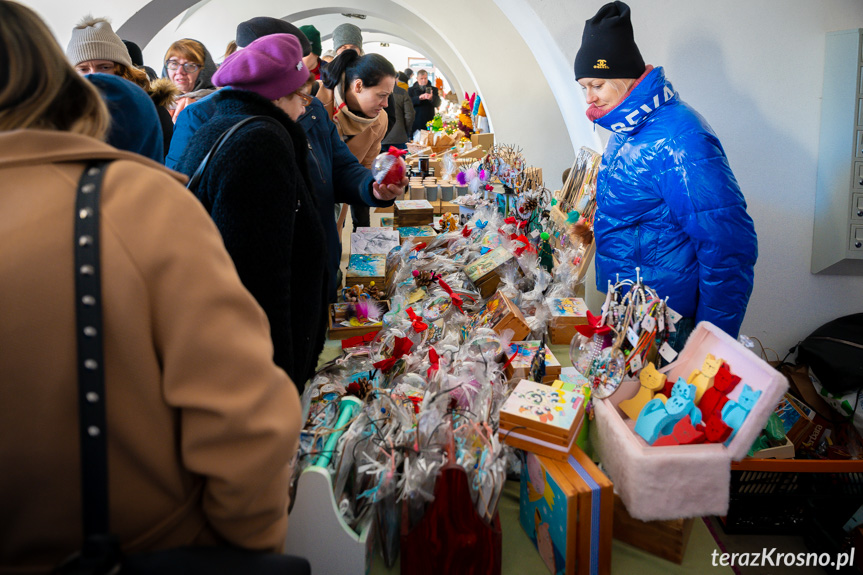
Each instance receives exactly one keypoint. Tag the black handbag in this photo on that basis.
(101, 553)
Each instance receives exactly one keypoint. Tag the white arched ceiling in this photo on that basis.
(377, 29)
(475, 43)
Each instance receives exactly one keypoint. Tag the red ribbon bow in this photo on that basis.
(465, 231)
(418, 323)
(521, 225)
(393, 151)
(523, 239)
(456, 299)
(592, 328)
(401, 347)
(434, 358)
(510, 220)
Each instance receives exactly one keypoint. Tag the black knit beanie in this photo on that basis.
(608, 47)
(251, 30)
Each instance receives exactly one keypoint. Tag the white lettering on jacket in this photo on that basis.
(632, 117)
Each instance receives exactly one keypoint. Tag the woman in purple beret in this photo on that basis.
(256, 188)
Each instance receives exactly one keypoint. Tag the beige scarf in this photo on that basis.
(349, 124)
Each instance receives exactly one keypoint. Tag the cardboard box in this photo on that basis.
(485, 272)
(566, 313)
(485, 140)
(524, 352)
(669, 482)
(336, 314)
(666, 539)
(784, 451)
(365, 268)
(413, 212)
(567, 510)
(500, 314)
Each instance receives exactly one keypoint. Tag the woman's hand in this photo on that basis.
(389, 192)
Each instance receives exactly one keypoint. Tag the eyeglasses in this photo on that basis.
(189, 67)
(307, 99)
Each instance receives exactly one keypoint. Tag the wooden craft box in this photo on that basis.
(537, 417)
(520, 365)
(419, 233)
(413, 212)
(374, 240)
(337, 331)
(365, 268)
(567, 510)
(566, 313)
(500, 314)
(485, 272)
(666, 539)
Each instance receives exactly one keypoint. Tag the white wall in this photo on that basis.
(754, 70)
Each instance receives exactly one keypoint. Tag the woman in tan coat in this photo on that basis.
(201, 425)
(355, 90)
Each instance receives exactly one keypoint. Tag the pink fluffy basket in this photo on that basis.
(669, 482)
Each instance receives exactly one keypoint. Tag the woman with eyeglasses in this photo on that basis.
(96, 49)
(189, 65)
(257, 190)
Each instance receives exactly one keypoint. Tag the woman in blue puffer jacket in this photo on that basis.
(667, 201)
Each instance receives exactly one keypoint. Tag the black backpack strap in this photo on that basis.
(217, 145)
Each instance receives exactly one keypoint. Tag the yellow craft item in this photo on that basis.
(651, 382)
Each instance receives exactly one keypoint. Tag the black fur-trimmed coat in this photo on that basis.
(256, 189)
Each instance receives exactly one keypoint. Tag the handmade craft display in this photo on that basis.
(521, 356)
(633, 327)
(486, 272)
(405, 440)
(373, 241)
(356, 319)
(419, 232)
(413, 213)
(566, 314)
(542, 413)
(364, 268)
(500, 314)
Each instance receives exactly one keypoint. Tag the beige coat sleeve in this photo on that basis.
(239, 414)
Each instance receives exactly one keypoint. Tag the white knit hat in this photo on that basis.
(94, 39)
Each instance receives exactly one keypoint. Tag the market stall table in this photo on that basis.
(520, 556)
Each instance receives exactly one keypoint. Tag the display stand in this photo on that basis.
(451, 537)
(317, 525)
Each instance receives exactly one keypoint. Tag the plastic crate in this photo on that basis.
(775, 497)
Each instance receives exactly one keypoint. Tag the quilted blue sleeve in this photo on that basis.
(703, 196)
